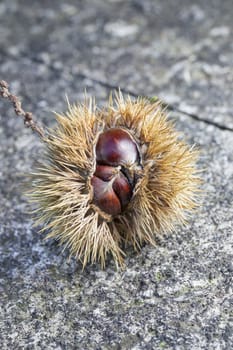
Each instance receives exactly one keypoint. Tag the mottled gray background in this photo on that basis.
(179, 294)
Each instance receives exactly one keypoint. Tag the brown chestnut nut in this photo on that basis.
(105, 172)
(112, 183)
(116, 147)
(123, 190)
(105, 197)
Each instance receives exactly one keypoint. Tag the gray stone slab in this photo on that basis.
(179, 294)
(181, 50)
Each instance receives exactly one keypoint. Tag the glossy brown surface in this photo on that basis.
(112, 184)
(105, 197)
(116, 147)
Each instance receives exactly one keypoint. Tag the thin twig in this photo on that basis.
(27, 116)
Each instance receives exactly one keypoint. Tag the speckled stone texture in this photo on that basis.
(179, 294)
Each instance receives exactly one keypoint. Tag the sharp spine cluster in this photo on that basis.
(161, 179)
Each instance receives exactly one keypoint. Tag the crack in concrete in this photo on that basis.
(170, 107)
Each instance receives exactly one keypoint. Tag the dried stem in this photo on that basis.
(27, 116)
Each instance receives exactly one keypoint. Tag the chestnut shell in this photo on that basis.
(113, 183)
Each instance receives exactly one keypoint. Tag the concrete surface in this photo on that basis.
(179, 294)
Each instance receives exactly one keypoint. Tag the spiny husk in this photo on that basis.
(165, 195)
